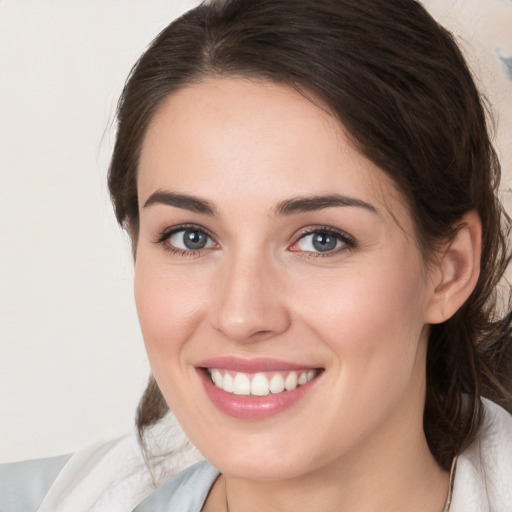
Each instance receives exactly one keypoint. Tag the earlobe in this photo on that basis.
(458, 270)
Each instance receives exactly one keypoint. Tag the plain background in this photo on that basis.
(72, 362)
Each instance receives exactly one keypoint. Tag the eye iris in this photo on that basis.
(193, 239)
(324, 242)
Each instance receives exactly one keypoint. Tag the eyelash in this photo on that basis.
(348, 241)
(167, 233)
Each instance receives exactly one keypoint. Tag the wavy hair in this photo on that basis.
(401, 88)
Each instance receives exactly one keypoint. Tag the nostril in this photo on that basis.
(261, 334)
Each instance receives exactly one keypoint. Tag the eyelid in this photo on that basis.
(349, 243)
(171, 230)
(163, 236)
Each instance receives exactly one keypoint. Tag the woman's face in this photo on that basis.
(277, 260)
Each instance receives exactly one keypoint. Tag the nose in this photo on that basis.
(250, 303)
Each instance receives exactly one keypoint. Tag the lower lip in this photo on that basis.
(249, 407)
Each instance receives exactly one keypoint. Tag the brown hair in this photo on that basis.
(398, 83)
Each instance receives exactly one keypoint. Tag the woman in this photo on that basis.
(310, 191)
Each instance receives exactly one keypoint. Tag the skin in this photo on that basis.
(361, 312)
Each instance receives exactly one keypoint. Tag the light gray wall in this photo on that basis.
(72, 364)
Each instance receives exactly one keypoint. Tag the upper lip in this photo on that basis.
(253, 365)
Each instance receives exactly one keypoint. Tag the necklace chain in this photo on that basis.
(226, 493)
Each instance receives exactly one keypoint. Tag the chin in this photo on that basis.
(271, 468)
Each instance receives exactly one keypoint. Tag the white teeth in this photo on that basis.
(277, 383)
(227, 383)
(259, 384)
(290, 382)
(217, 378)
(242, 384)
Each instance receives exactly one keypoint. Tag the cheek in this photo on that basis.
(371, 320)
(168, 308)
(371, 323)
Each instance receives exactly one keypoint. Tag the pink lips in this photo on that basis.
(237, 364)
(252, 407)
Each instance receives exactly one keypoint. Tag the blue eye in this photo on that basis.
(187, 239)
(322, 241)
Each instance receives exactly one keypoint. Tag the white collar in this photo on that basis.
(483, 477)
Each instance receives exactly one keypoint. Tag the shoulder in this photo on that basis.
(185, 491)
(24, 484)
(483, 478)
(77, 482)
(112, 476)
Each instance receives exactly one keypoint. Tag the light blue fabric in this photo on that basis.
(24, 484)
(184, 492)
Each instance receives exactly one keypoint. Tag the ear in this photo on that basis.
(457, 271)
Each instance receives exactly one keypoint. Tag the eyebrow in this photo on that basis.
(313, 203)
(194, 204)
(285, 208)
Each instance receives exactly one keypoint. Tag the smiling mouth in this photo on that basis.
(261, 383)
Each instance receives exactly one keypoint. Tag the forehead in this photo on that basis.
(262, 141)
